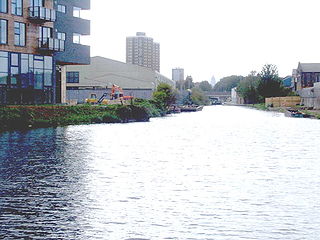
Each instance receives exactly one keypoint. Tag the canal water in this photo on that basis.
(223, 173)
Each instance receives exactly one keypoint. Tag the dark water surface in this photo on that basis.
(223, 173)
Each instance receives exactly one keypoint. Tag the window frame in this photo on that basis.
(21, 33)
(62, 8)
(73, 77)
(76, 12)
(6, 6)
(7, 71)
(15, 10)
(5, 32)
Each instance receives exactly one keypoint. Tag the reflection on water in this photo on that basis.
(223, 173)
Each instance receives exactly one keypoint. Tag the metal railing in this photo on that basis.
(51, 44)
(42, 14)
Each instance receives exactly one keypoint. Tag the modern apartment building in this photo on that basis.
(143, 51)
(178, 74)
(33, 45)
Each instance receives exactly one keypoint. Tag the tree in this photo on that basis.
(164, 96)
(198, 97)
(270, 84)
(247, 88)
(205, 86)
(227, 83)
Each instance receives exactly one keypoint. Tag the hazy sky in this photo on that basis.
(212, 37)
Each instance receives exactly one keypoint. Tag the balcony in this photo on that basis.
(51, 45)
(42, 14)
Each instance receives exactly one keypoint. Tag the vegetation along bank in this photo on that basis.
(22, 117)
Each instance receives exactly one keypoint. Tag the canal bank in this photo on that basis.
(24, 117)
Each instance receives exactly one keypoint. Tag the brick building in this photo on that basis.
(38, 38)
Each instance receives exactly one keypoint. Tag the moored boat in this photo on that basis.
(295, 113)
(191, 108)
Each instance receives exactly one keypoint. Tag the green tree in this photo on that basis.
(205, 86)
(270, 84)
(247, 88)
(227, 83)
(164, 96)
(198, 97)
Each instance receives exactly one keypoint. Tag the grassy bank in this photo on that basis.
(22, 117)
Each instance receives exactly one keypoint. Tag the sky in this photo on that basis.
(211, 37)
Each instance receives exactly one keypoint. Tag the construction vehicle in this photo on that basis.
(116, 97)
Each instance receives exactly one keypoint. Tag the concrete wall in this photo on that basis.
(103, 72)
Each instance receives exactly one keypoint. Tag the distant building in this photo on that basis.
(213, 81)
(143, 51)
(288, 82)
(307, 74)
(178, 74)
(98, 78)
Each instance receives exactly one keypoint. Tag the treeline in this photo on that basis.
(255, 87)
(189, 92)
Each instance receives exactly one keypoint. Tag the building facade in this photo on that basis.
(98, 78)
(178, 74)
(143, 51)
(306, 75)
(30, 46)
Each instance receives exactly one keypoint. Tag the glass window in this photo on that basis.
(76, 38)
(24, 66)
(38, 79)
(76, 12)
(31, 61)
(37, 3)
(3, 31)
(48, 63)
(14, 59)
(45, 32)
(3, 78)
(72, 77)
(16, 7)
(14, 75)
(4, 6)
(48, 78)
(19, 34)
(38, 64)
(61, 36)
(61, 8)
(4, 64)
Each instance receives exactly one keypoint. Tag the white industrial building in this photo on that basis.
(98, 78)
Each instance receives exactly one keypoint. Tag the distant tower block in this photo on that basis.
(143, 51)
(178, 74)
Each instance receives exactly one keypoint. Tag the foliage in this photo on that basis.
(227, 83)
(205, 86)
(198, 97)
(270, 84)
(21, 117)
(185, 84)
(256, 87)
(164, 96)
(247, 89)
